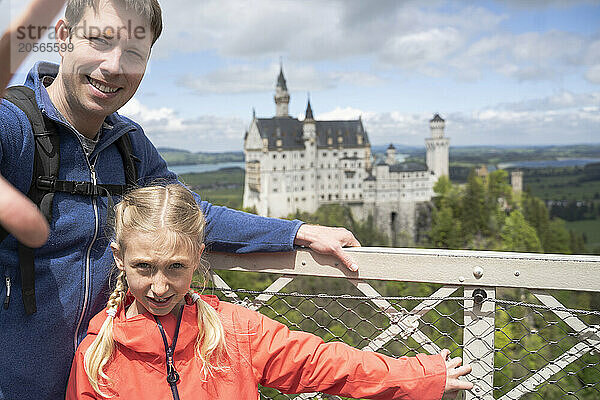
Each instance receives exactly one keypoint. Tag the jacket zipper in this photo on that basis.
(7, 298)
(87, 259)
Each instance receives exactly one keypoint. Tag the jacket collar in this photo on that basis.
(141, 334)
(114, 125)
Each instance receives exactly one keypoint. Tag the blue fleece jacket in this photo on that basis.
(73, 267)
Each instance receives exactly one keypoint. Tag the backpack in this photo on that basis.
(44, 183)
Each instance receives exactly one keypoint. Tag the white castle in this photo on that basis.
(294, 165)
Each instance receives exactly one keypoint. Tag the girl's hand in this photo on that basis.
(453, 372)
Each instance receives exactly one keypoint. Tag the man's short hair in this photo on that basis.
(149, 10)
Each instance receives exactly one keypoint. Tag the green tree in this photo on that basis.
(445, 230)
(557, 240)
(518, 235)
(474, 213)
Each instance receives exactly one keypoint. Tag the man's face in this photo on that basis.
(108, 59)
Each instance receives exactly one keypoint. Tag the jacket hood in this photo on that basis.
(141, 334)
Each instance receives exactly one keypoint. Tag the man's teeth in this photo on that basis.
(101, 87)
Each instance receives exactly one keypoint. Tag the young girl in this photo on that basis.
(158, 340)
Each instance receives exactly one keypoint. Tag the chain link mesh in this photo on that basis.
(532, 351)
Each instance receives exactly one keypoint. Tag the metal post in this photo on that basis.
(478, 341)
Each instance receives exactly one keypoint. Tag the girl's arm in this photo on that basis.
(79, 387)
(295, 362)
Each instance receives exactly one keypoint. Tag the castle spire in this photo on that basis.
(282, 97)
(309, 113)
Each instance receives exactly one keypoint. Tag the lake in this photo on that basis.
(186, 169)
(567, 162)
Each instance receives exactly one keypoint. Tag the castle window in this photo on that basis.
(324, 154)
(335, 153)
(340, 139)
(283, 168)
(274, 190)
(278, 143)
(302, 177)
(283, 155)
(302, 188)
(345, 154)
(322, 197)
(355, 154)
(301, 155)
(274, 156)
(329, 141)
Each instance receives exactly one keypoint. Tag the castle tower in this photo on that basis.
(390, 155)
(309, 134)
(437, 147)
(516, 181)
(282, 97)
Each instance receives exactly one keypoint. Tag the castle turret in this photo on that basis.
(390, 155)
(282, 97)
(437, 147)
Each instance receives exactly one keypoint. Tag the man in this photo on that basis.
(105, 46)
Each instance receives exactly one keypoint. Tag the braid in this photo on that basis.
(101, 349)
(118, 295)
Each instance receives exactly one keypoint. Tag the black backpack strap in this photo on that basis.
(129, 160)
(46, 162)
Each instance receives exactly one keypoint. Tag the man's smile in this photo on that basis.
(101, 86)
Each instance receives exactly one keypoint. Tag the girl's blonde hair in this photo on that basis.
(172, 212)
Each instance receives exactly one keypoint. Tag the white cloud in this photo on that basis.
(166, 128)
(593, 74)
(560, 119)
(257, 78)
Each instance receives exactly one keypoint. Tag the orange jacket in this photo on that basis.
(262, 351)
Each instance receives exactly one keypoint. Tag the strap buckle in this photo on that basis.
(80, 187)
(47, 183)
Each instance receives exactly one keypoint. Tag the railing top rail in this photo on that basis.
(454, 267)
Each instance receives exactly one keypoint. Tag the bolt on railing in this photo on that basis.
(527, 323)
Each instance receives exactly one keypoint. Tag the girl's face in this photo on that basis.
(157, 280)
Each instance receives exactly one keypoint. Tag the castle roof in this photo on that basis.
(289, 131)
(391, 147)
(408, 167)
(309, 113)
(436, 118)
(281, 79)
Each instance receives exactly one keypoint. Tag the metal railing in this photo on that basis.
(529, 324)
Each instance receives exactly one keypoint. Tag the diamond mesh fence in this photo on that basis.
(522, 344)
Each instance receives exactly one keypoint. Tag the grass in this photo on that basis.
(224, 187)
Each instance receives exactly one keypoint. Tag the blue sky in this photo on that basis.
(511, 72)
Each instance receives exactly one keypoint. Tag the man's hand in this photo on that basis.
(18, 215)
(21, 217)
(326, 240)
(453, 372)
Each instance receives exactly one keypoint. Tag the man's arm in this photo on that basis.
(235, 231)
(18, 215)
